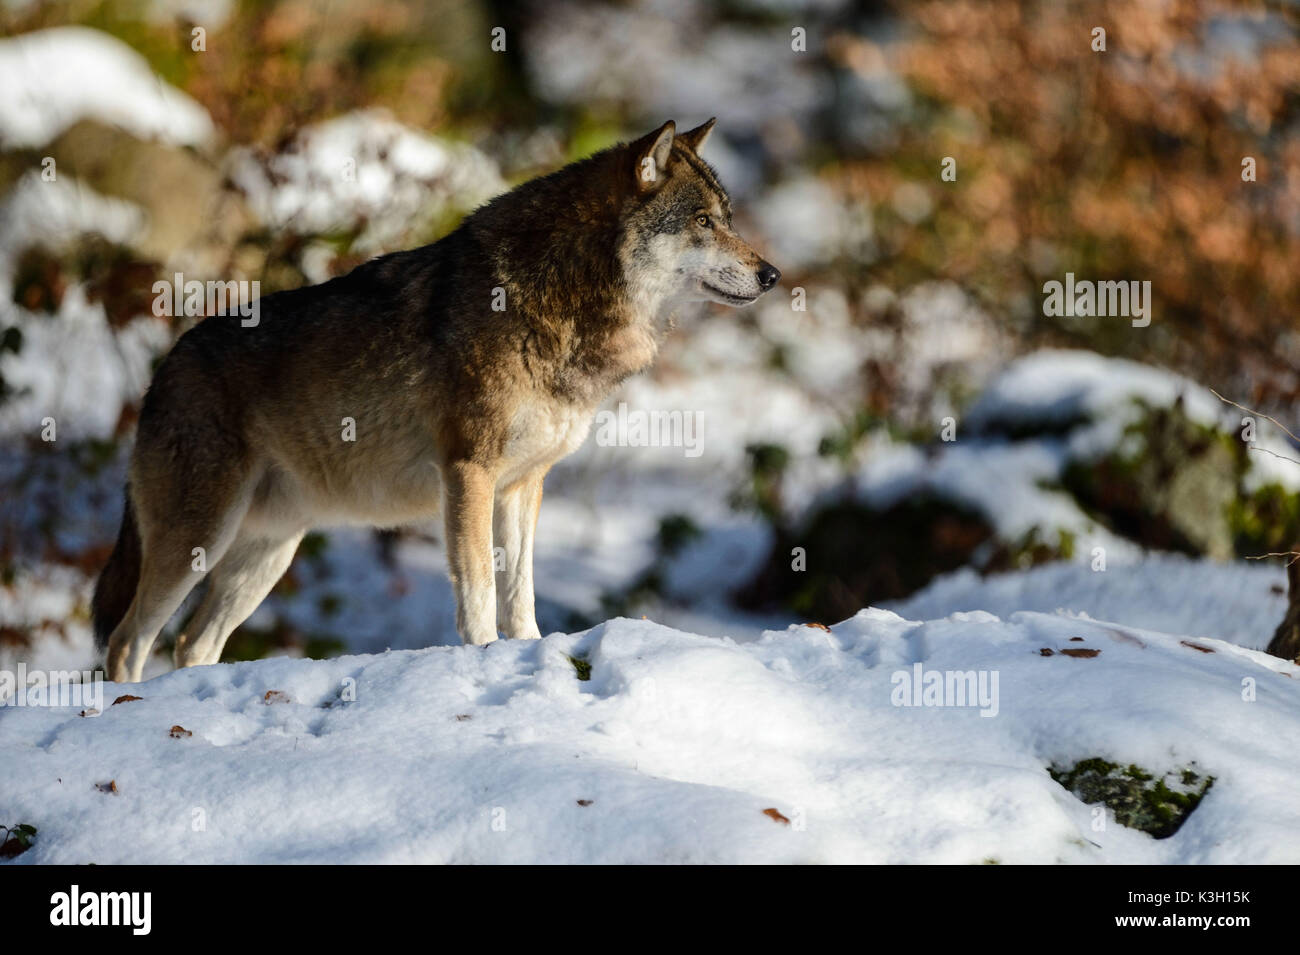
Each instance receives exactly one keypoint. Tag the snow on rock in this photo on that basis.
(54, 78)
(366, 169)
(672, 751)
(1060, 388)
(1010, 450)
(1240, 601)
(76, 370)
(52, 213)
(73, 367)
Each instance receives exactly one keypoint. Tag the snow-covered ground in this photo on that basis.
(711, 735)
(674, 750)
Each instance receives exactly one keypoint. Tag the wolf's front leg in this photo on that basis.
(468, 518)
(515, 522)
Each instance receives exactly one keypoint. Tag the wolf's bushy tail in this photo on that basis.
(117, 582)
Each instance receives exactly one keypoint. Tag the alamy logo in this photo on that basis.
(103, 908)
(651, 429)
(921, 687)
(1087, 299)
(199, 299)
(23, 687)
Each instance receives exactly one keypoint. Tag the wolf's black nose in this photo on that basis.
(768, 275)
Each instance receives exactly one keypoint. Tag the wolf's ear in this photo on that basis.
(695, 138)
(652, 152)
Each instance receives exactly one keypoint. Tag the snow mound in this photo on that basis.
(107, 81)
(1060, 387)
(1096, 397)
(673, 750)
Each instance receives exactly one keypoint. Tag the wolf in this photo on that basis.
(444, 379)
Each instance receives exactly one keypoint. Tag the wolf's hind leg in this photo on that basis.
(237, 585)
(169, 569)
(515, 524)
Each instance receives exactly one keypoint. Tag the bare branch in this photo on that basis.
(1286, 553)
(1280, 457)
(1255, 413)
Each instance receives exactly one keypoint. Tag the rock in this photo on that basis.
(1170, 484)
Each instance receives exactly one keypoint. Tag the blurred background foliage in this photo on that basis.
(1122, 164)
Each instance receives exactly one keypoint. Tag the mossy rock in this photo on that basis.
(1170, 484)
(856, 556)
(1154, 803)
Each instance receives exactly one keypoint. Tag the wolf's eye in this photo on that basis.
(704, 221)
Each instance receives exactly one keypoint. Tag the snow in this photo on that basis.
(363, 169)
(577, 53)
(1006, 456)
(808, 224)
(110, 83)
(677, 745)
(1054, 387)
(73, 367)
(1240, 602)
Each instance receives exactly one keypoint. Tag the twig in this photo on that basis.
(1255, 413)
(1286, 553)
(1280, 457)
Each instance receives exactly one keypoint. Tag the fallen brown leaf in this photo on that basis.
(1197, 646)
(12, 848)
(108, 787)
(179, 732)
(776, 816)
(126, 698)
(276, 696)
(1083, 653)
(819, 626)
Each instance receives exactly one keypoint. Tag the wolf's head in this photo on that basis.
(678, 243)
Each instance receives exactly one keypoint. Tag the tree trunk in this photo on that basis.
(1286, 641)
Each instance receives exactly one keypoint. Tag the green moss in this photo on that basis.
(1030, 549)
(329, 604)
(675, 532)
(1156, 804)
(313, 546)
(762, 492)
(322, 647)
(1264, 521)
(581, 666)
(256, 643)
